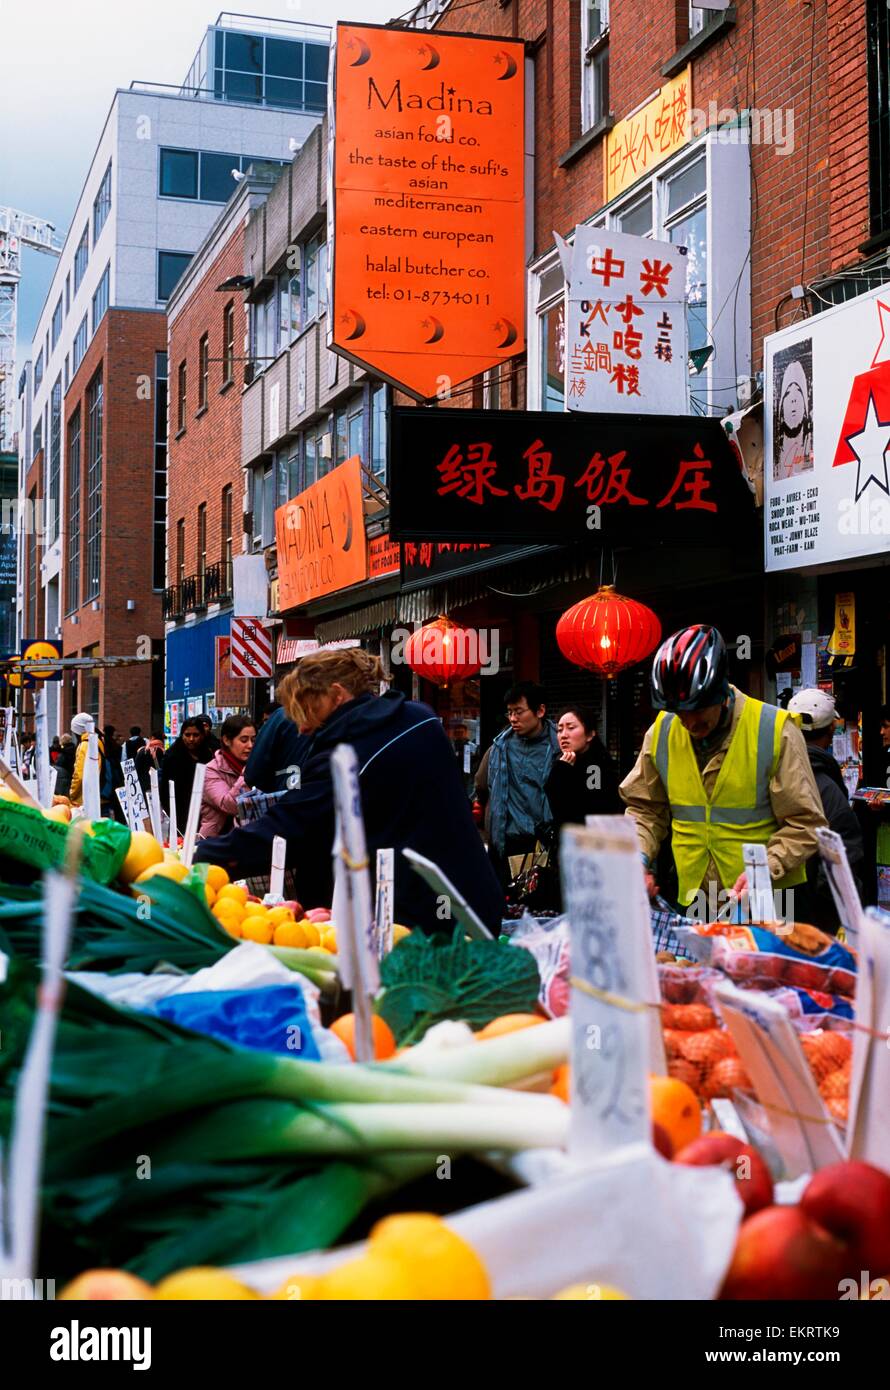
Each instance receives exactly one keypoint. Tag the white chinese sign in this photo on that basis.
(626, 338)
(827, 435)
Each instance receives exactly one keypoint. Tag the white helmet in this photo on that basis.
(815, 707)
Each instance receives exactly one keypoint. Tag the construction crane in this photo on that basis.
(17, 229)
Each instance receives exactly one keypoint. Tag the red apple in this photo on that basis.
(295, 907)
(781, 1254)
(752, 1177)
(662, 1141)
(852, 1201)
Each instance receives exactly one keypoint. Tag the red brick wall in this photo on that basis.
(124, 347)
(206, 458)
(809, 205)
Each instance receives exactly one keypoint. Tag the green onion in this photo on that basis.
(268, 1129)
(495, 1061)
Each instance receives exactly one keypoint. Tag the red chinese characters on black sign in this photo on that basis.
(506, 475)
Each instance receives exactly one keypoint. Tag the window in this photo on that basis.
(203, 371)
(38, 370)
(102, 204)
(378, 431)
(265, 333)
(203, 175)
(67, 293)
(594, 62)
(271, 71)
(686, 225)
(229, 343)
(80, 343)
(54, 471)
(317, 444)
(180, 550)
(225, 512)
(553, 354)
(81, 257)
(289, 308)
(90, 685)
(181, 392)
(201, 536)
(160, 488)
(67, 371)
(264, 505)
(100, 298)
(33, 585)
(697, 20)
(349, 431)
(57, 323)
(637, 218)
(315, 260)
(72, 576)
(94, 487)
(37, 439)
(878, 50)
(171, 264)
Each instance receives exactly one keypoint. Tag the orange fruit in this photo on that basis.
(236, 891)
(290, 933)
(167, 868)
(280, 914)
(143, 852)
(507, 1023)
(254, 928)
(313, 935)
(217, 877)
(560, 1085)
(711, 1045)
(384, 1042)
(691, 1018)
(329, 940)
(209, 894)
(231, 925)
(724, 1077)
(675, 1107)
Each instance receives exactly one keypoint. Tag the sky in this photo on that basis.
(60, 63)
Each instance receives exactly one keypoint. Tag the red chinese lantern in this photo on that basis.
(607, 632)
(443, 652)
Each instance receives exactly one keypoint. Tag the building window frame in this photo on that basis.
(181, 396)
(179, 575)
(73, 464)
(101, 298)
(228, 353)
(162, 256)
(203, 372)
(201, 542)
(102, 204)
(202, 172)
(54, 461)
(56, 326)
(95, 414)
(81, 343)
(226, 537)
(594, 62)
(159, 550)
(81, 257)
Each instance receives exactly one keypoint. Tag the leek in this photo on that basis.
(269, 1129)
(496, 1061)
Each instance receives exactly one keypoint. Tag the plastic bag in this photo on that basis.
(271, 1019)
(548, 941)
(27, 836)
(804, 958)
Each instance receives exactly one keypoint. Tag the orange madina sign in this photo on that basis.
(320, 538)
(426, 208)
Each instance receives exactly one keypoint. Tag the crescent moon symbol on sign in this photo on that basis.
(364, 51)
(347, 517)
(509, 63)
(356, 323)
(509, 331)
(433, 59)
(438, 329)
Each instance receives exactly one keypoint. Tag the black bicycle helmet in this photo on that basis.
(689, 669)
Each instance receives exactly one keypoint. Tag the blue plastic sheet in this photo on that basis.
(272, 1019)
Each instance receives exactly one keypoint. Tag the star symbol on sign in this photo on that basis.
(882, 352)
(870, 447)
(451, 91)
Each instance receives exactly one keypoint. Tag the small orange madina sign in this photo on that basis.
(320, 538)
(426, 209)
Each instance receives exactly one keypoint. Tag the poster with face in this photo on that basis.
(826, 422)
(793, 410)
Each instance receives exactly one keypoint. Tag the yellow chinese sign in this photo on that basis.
(638, 144)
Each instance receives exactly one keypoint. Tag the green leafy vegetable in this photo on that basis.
(426, 980)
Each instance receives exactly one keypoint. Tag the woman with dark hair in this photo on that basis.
(583, 780)
(224, 778)
(179, 764)
(411, 794)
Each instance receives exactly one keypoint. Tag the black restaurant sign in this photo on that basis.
(427, 562)
(513, 476)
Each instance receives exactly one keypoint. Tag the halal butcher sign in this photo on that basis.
(827, 436)
(426, 204)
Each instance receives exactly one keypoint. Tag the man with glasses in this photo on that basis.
(511, 777)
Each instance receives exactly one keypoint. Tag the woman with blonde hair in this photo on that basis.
(412, 795)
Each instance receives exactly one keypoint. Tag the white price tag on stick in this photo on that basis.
(92, 799)
(383, 910)
(761, 904)
(352, 905)
(616, 1034)
(126, 805)
(172, 827)
(44, 781)
(154, 806)
(276, 879)
(194, 815)
(868, 1128)
(841, 882)
(774, 1059)
(134, 791)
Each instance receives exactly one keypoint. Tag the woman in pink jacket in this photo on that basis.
(224, 778)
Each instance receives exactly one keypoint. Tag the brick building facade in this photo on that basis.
(111, 602)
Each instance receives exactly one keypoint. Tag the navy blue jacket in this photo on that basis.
(279, 748)
(412, 797)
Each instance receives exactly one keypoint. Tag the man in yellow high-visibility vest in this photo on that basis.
(718, 770)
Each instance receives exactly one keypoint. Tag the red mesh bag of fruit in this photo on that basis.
(829, 1052)
(701, 1052)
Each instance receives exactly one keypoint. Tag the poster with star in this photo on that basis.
(626, 338)
(827, 435)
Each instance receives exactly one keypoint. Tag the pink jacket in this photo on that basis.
(218, 805)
